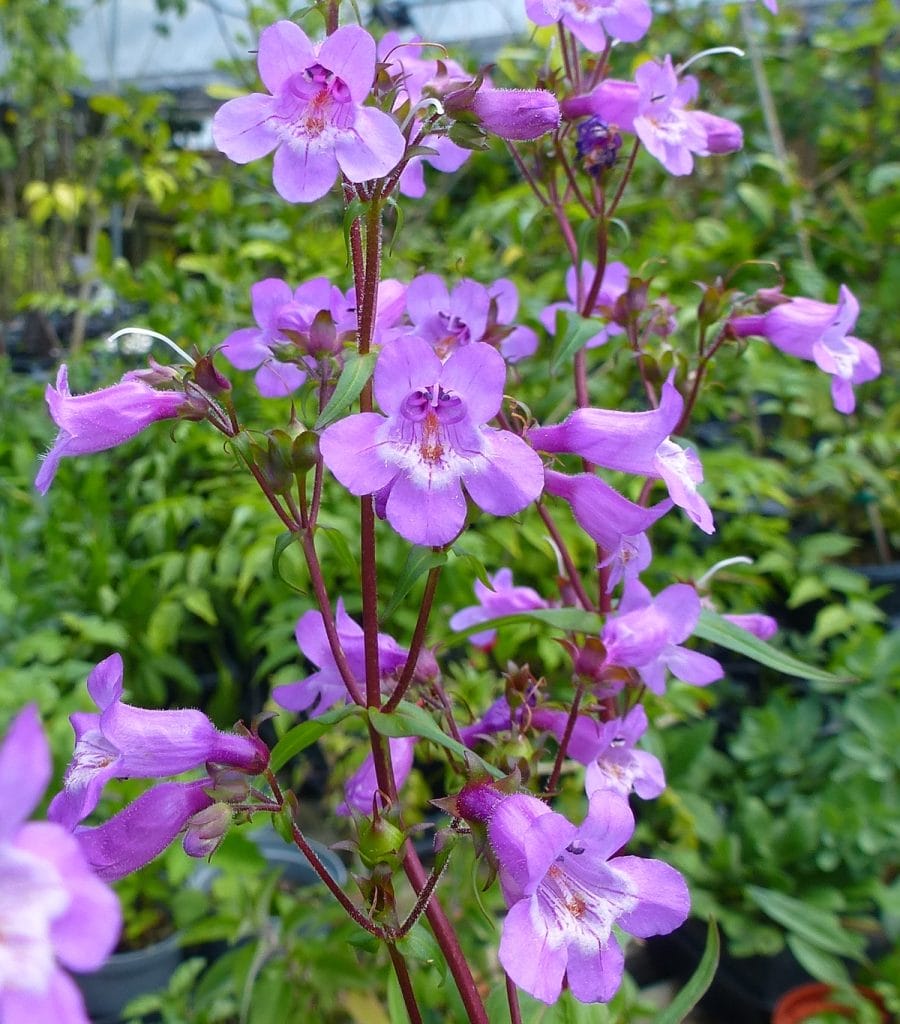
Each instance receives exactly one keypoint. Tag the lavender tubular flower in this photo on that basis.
(614, 522)
(55, 914)
(646, 633)
(617, 765)
(125, 742)
(613, 285)
(518, 115)
(627, 20)
(102, 419)
(654, 107)
(314, 117)
(818, 332)
(635, 442)
(432, 441)
(323, 689)
(501, 598)
(566, 889)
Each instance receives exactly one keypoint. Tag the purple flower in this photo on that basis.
(646, 633)
(820, 333)
(433, 440)
(635, 442)
(55, 914)
(314, 118)
(323, 689)
(500, 598)
(124, 742)
(274, 305)
(762, 626)
(654, 108)
(614, 284)
(597, 145)
(614, 522)
(414, 75)
(361, 787)
(471, 312)
(142, 830)
(518, 115)
(627, 20)
(102, 419)
(617, 766)
(566, 889)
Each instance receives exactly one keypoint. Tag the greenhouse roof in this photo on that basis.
(132, 42)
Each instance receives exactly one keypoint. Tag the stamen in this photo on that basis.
(151, 334)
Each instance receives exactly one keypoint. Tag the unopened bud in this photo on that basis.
(597, 145)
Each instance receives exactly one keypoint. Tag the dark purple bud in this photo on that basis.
(597, 145)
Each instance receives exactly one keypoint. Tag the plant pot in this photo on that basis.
(803, 1003)
(127, 975)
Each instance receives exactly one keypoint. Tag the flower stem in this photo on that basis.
(418, 639)
(566, 736)
(403, 979)
(512, 997)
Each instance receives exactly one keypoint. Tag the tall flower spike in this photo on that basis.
(432, 441)
(566, 889)
(55, 914)
(818, 332)
(102, 419)
(314, 117)
(124, 742)
(635, 442)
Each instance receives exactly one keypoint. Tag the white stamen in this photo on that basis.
(152, 334)
(708, 575)
(681, 68)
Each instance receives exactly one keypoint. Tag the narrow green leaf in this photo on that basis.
(822, 966)
(695, 988)
(719, 631)
(306, 733)
(411, 720)
(357, 370)
(569, 620)
(418, 562)
(820, 928)
(575, 332)
(282, 543)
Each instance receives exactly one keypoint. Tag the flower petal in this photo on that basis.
(241, 128)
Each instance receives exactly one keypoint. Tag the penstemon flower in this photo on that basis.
(314, 118)
(646, 633)
(820, 333)
(500, 598)
(613, 285)
(55, 914)
(323, 689)
(103, 419)
(124, 742)
(566, 888)
(635, 442)
(433, 441)
(590, 20)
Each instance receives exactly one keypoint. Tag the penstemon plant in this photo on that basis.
(405, 395)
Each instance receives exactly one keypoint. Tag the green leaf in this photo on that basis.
(357, 370)
(569, 620)
(822, 966)
(576, 331)
(306, 733)
(418, 561)
(820, 928)
(695, 988)
(96, 630)
(200, 604)
(282, 543)
(410, 720)
(719, 631)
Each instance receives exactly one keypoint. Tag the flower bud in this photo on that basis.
(597, 145)
(380, 842)
(209, 378)
(206, 830)
(515, 114)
